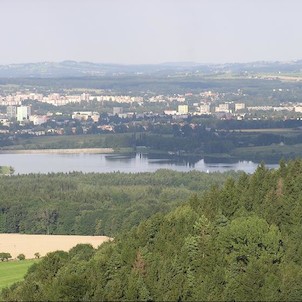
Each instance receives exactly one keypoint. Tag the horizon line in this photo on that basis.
(154, 64)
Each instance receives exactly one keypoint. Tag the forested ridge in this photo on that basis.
(93, 203)
(241, 242)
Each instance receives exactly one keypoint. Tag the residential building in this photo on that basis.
(38, 119)
(11, 112)
(204, 109)
(23, 113)
(117, 110)
(239, 106)
(298, 109)
(170, 112)
(224, 108)
(85, 115)
(183, 109)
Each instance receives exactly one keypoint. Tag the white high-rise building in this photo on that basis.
(23, 113)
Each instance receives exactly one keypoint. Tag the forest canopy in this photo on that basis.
(94, 203)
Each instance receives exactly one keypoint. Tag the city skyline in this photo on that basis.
(150, 32)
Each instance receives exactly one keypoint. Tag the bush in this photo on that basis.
(5, 256)
(21, 257)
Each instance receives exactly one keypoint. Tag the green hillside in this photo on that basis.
(238, 243)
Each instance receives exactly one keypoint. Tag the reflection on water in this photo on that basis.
(120, 157)
(130, 163)
(178, 160)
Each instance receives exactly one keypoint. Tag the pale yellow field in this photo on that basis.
(28, 245)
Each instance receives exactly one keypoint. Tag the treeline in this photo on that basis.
(27, 142)
(238, 243)
(253, 124)
(94, 204)
(159, 84)
(188, 138)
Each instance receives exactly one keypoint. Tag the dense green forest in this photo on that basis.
(241, 242)
(94, 204)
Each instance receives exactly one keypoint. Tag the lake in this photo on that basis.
(102, 163)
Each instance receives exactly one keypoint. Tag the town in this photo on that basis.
(37, 114)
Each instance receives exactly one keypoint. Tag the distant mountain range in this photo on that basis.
(82, 69)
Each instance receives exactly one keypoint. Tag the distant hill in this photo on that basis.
(80, 69)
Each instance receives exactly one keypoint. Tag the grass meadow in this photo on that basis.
(13, 271)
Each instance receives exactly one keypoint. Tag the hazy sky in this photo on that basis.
(150, 31)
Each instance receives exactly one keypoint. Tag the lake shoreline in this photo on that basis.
(59, 151)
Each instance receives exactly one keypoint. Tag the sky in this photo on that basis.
(150, 31)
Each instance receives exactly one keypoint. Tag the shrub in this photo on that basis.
(5, 256)
(21, 257)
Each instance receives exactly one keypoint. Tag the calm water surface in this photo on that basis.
(47, 163)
